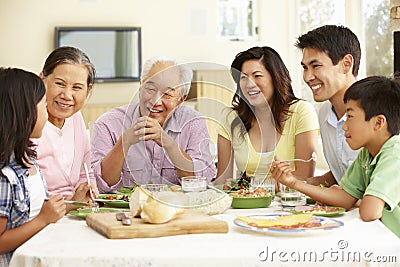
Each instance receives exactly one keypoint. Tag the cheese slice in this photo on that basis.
(285, 220)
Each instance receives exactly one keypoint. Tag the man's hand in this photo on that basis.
(147, 128)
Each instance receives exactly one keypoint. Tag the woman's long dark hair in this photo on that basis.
(20, 92)
(283, 95)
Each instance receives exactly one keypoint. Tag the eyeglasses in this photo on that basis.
(171, 94)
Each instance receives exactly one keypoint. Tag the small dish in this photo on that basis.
(251, 202)
(81, 213)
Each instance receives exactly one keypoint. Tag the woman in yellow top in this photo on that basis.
(265, 115)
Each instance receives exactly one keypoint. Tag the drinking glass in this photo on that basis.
(194, 183)
(155, 187)
(263, 180)
(291, 197)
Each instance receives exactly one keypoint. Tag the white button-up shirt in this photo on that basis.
(337, 152)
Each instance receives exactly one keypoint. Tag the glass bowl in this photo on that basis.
(194, 184)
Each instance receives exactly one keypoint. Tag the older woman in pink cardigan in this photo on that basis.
(64, 147)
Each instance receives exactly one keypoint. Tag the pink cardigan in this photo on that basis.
(57, 179)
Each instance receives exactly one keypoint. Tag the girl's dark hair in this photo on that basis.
(283, 95)
(378, 95)
(69, 55)
(20, 92)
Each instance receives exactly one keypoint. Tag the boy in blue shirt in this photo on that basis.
(373, 124)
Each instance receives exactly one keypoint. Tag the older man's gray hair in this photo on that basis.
(186, 73)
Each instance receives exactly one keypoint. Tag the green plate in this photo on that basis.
(115, 203)
(324, 214)
(251, 202)
(127, 189)
(81, 213)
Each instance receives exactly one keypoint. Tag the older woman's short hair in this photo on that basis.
(186, 73)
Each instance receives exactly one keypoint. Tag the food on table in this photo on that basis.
(167, 205)
(296, 221)
(236, 184)
(317, 208)
(175, 188)
(163, 207)
(117, 197)
(138, 198)
(251, 199)
(258, 192)
(209, 201)
(120, 216)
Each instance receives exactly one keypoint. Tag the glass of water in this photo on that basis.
(263, 180)
(291, 197)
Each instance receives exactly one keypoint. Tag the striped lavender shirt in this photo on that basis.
(146, 161)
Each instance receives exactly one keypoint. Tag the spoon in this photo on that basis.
(313, 157)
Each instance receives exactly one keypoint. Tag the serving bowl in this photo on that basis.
(251, 202)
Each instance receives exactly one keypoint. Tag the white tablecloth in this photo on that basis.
(70, 242)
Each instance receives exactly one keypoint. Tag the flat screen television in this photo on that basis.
(114, 51)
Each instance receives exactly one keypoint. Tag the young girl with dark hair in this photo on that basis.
(25, 207)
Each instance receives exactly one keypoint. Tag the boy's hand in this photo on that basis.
(282, 172)
(52, 209)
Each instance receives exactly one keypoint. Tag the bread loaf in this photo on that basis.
(138, 198)
(163, 207)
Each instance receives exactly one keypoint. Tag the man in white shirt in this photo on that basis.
(331, 59)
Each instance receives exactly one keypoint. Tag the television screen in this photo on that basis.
(114, 51)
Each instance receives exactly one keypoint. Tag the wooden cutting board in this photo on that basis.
(188, 223)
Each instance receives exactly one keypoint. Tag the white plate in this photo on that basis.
(327, 225)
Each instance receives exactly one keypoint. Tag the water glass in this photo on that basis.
(291, 197)
(152, 188)
(263, 180)
(194, 183)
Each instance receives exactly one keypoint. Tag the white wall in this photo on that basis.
(178, 28)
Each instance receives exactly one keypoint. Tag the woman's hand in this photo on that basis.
(82, 193)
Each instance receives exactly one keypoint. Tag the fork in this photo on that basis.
(313, 157)
(94, 205)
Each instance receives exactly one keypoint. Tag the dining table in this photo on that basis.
(71, 242)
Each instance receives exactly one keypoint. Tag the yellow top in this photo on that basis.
(303, 118)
